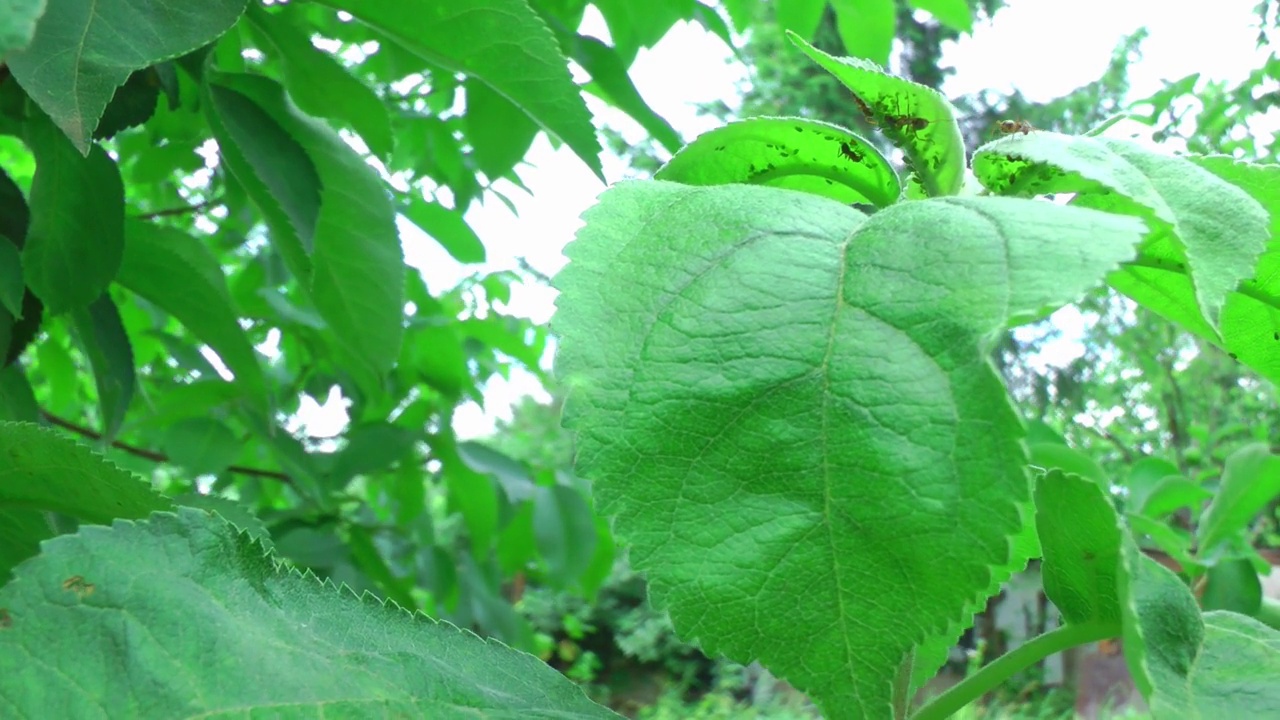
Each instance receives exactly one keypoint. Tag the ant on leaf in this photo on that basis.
(1010, 127)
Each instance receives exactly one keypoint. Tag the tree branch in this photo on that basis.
(152, 455)
(181, 209)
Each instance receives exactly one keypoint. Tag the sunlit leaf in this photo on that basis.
(955, 14)
(1081, 541)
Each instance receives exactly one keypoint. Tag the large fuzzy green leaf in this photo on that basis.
(182, 616)
(83, 50)
(771, 391)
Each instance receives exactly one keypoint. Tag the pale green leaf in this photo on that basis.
(181, 276)
(76, 236)
(447, 227)
(955, 14)
(181, 616)
(18, 24)
(800, 16)
(501, 42)
(791, 153)
(84, 49)
(767, 379)
(1250, 481)
(1081, 540)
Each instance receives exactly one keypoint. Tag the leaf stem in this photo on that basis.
(1005, 666)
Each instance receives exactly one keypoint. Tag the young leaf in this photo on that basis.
(104, 341)
(76, 235)
(45, 472)
(818, 383)
(178, 273)
(915, 118)
(357, 266)
(186, 592)
(81, 52)
(503, 43)
(318, 83)
(792, 153)
(1206, 233)
(1080, 537)
(1250, 480)
(1219, 666)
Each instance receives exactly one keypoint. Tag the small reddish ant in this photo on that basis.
(1009, 127)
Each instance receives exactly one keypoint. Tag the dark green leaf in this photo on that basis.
(501, 42)
(565, 529)
(84, 49)
(76, 237)
(104, 341)
(12, 286)
(133, 104)
(14, 215)
(202, 445)
(186, 593)
(17, 401)
(372, 448)
(511, 474)
(499, 132)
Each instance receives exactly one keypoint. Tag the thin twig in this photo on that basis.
(152, 455)
(181, 209)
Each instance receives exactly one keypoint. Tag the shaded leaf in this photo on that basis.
(180, 275)
(11, 285)
(511, 474)
(1171, 494)
(319, 84)
(565, 530)
(703, 314)
(76, 236)
(1232, 585)
(799, 16)
(201, 445)
(501, 42)
(791, 153)
(104, 341)
(17, 401)
(1250, 480)
(80, 54)
(278, 638)
(372, 448)
(610, 82)
(132, 105)
(45, 472)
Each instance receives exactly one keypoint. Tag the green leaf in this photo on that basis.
(1198, 221)
(800, 16)
(500, 42)
(955, 14)
(76, 236)
(1250, 480)
(181, 276)
(318, 83)
(357, 275)
(754, 323)
(281, 642)
(867, 28)
(83, 50)
(1145, 475)
(511, 474)
(917, 119)
(372, 448)
(1052, 455)
(447, 227)
(1232, 585)
(104, 341)
(133, 104)
(791, 153)
(45, 472)
(611, 83)
(497, 129)
(1081, 540)
(565, 529)
(18, 24)
(17, 401)
(470, 493)
(12, 286)
(1176, 543)
(231, 511)
(1219, 666)
(202, 445)
(274, 169)
(1172, 493)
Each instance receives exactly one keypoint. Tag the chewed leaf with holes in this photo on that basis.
(793, 153)
(788, 406)
(1206, 233)
(181, 616)
(917, 119)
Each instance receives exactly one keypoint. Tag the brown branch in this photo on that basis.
(181, 209)
(152, 455)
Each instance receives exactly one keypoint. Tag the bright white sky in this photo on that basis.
(1045, 48)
